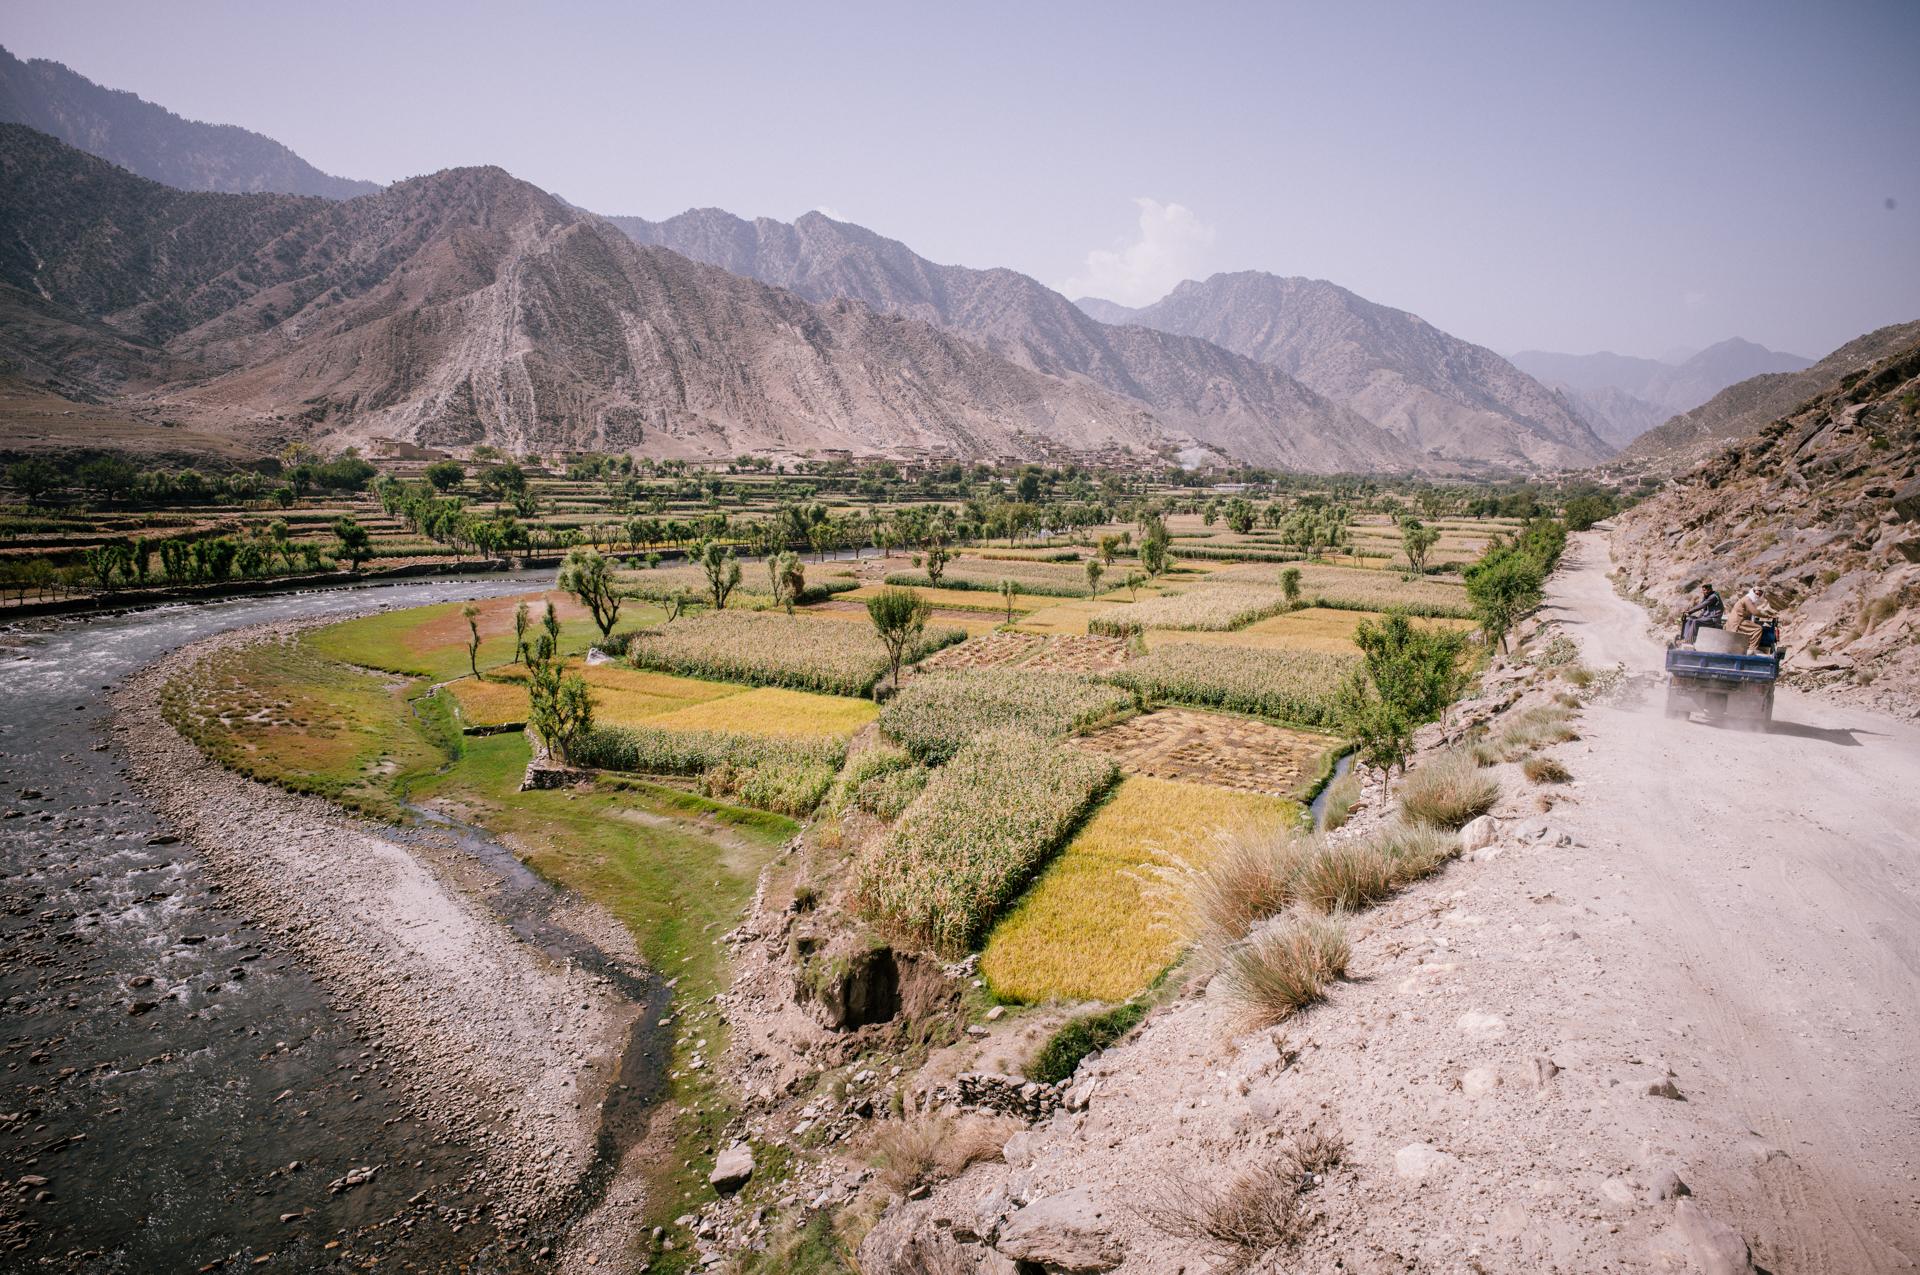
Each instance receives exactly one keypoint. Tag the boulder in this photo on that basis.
(732, 1168)
(1478, 834)
(1069, 1232)
(1715, 1247)
(1419, 1161)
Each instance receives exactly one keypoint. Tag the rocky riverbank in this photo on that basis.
(507, 1049)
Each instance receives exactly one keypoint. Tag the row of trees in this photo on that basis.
(115, 480)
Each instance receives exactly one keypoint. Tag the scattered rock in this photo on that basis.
(1419, 1161)
(352, 1178)
(1066, 1232)
(1479, 1082)
(732, 1168)
(1666, 1089)
(1478, 833)
(1714, 1246)
(1544, 1070)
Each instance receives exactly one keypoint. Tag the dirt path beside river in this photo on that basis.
(509, 1048)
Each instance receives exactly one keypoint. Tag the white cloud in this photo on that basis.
(1173, 244)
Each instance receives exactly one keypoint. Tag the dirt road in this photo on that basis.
(1771, 885)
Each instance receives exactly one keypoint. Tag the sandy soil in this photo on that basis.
(502, 1044)
(1670, 1024)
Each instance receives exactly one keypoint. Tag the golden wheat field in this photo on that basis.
(631, 697)
(1100, 923)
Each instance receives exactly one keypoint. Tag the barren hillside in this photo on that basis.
(470, 307)
(1821, 510)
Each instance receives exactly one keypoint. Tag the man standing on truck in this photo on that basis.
(1744, 619)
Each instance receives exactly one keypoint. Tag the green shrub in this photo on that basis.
(1078, 1037)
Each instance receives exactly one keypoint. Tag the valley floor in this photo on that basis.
(1669, 1024)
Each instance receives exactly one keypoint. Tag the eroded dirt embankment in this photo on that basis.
(507, 1048)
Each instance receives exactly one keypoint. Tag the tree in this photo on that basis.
(1154, 546)
(559, 704)
(521, 619)
(1133, 582)
(1503, 586)
(787, 577)
(1407, 677)
(472, 614)
(1417, 541)
(1094, 572)
(899, 616)
(1381, 734)
(937, 557)
(589, 578)
(1007, 592)
(722, 568)
(1586, 509)
(356, 544)
(550, 628)
(446, 475)
(33, 478)
(108, 477)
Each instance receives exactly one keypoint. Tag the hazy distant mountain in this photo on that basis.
(469, 307)
(1672, 387)
(1438, 394)
(1105, 311)
(1617, 416)
(1239, 407)
(154, 142)
(1752, 404)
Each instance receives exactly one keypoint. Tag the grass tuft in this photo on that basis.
(1285, 965)
(1545, 770)
(1448, 791)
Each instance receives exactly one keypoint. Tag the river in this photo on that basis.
(178, 1091)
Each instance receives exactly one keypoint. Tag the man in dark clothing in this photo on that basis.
(1710, 611)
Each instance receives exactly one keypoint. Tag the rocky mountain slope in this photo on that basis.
(1441, 396)
(1615, 415)
(1742, 408)
(154, 142)
(470, 307)
(1821, 510)
(1234, 405)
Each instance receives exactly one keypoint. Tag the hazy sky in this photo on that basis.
(1636, 177)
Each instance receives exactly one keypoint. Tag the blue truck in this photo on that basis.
(1709, 671)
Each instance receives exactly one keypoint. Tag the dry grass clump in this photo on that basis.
(1260, 1210)
(1535, 729)
(1250, 877)
(1545, 770)
(1286, 964)
(912, 1152)
(1448, 791)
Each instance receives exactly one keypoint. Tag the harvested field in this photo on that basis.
(773, 712)
(1241, 753)
(1080, 653)
(1228, 605)
(621, 696)
(989, 650)
(964, 599)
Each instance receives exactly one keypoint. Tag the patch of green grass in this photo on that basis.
(1079, 1037)
(431, 641)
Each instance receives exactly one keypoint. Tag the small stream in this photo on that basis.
(1317, 809)
(177, 1091)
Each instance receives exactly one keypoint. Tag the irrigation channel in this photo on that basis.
(177, 1092)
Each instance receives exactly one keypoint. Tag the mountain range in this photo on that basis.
(1234, 398)
(154, 142)
(468, 307)
(1623, 397)
(242, 291)
(1437, 395)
